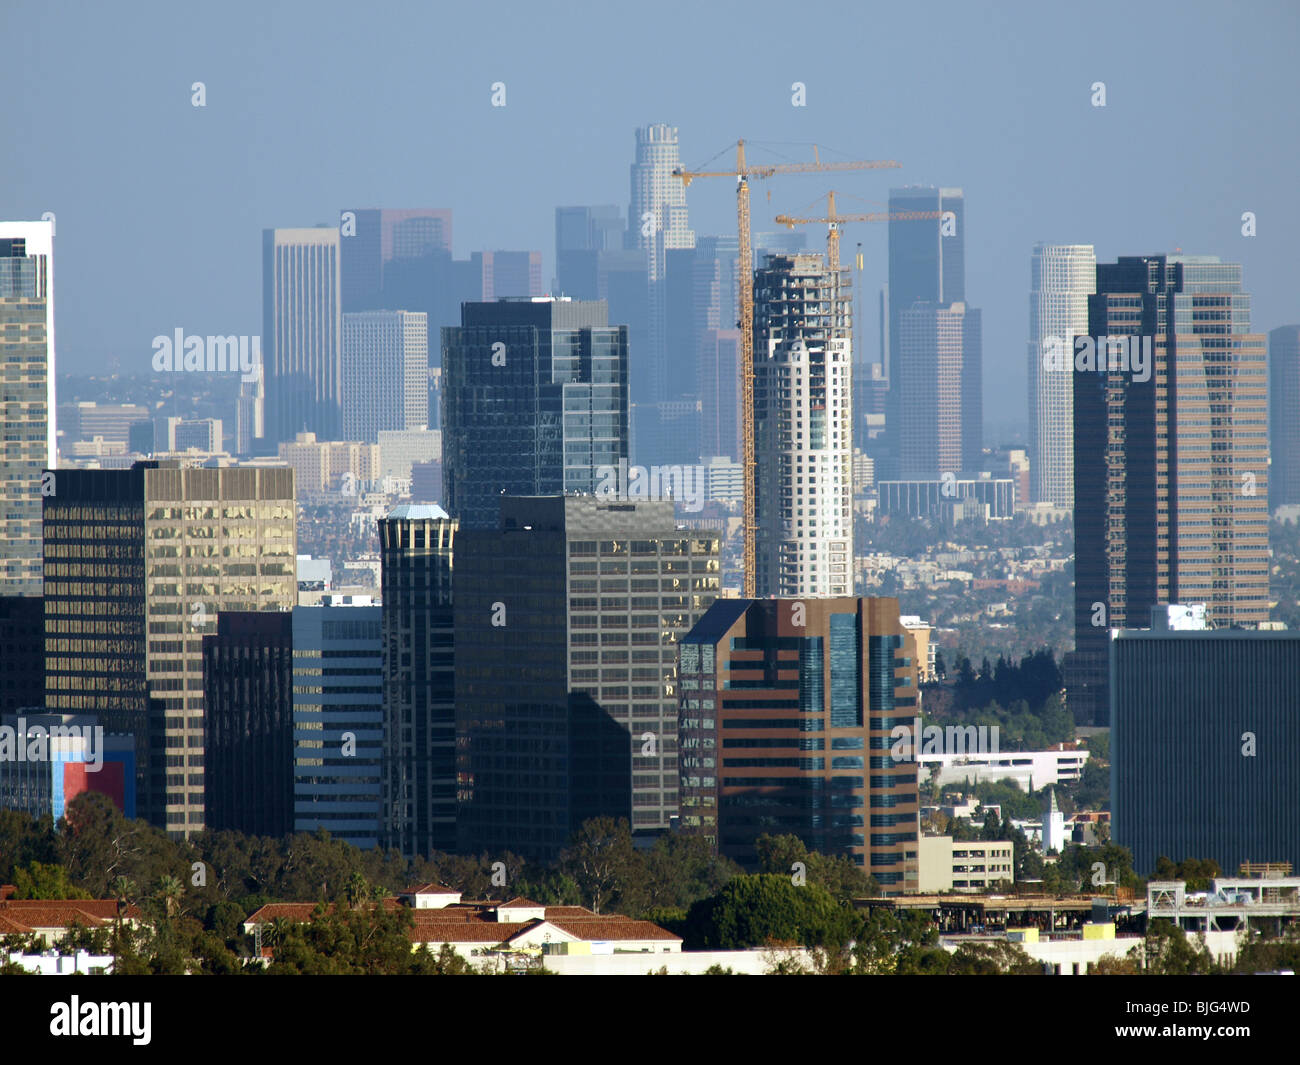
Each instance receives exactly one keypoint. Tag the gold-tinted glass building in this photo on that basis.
(138, 564)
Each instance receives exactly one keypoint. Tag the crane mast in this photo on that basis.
(745, 277)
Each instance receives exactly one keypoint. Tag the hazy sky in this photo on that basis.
(313, 107)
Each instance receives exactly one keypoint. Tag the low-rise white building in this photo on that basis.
(1030, 770)
(52, 963)
(945, 864)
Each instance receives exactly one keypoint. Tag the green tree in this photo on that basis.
(836, 873)
(41, 881)
(681, 869)
(903, 942)
(751, 911)
(1169, 952)
(998, 958)
(603, 862)
(24, 840)
(364, 941)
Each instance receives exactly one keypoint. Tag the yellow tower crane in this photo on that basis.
(745, 275)
(833, 220)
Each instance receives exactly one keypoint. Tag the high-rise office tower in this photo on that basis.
(534, 403)
(248, 691)
(392, 258)
(508, 274)
(927, 263)
(294, 722)
(940, 422)
(786, 713)
(657, 218)
(1061, 278)
(719, 377)
(657, 226)
(27, 347)
(803, 437)
(419, 757)
(1205, 742)
(250, 414)
(338, 722)
(581, 235)
(1284, 415)
(140, 563)
(725, 251)
(385, 373)
(567, 622)
(1170, 456)
(302, 332)
(22, 649)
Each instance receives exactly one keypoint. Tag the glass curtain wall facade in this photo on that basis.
(786, 710)
(534, 403)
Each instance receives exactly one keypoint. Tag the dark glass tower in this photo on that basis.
(248, 728)
(567, 622)
(1170, 462)
(419, 777)
(1205, 743)
(534, 402)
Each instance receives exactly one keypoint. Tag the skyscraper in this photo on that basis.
(250, 413)
(391, 258)
(508, 274)
(802, 428)
(656, 216)
(657, 227)
(786, 714)
(534, 402)
(302, 332)
(27, 347)
(22, 646)
(338, 722)
(419, 753)
(565, 672)
(142, 561)
(248, 691)
(385, 373)
(1061, 278)
(1170, 456)
(581, 235)
(1284, 415)
(927, 263)
(719, 377)
(940, 377)
(1205, 743)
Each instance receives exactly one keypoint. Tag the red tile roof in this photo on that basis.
(54, 915)
(613, 928)
(8, 926)
(467, 931)
(521, 903)
(477, 923)
(87, 911)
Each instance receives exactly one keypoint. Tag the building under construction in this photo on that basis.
(803, 428)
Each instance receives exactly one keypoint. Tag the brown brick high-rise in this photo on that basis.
(785, 712)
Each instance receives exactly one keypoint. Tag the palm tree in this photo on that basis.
(357, 890)
(169, 893)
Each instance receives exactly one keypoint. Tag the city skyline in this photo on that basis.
(624, 520)
(301, 172)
